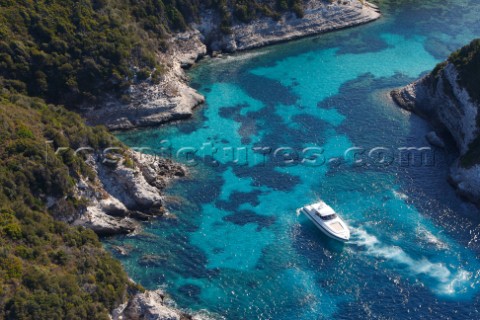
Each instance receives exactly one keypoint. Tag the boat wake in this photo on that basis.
(447, 282)
(399, 195)
(426, 236)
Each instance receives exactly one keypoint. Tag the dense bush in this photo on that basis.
(467, 62)
(49, 270)
(70, 52)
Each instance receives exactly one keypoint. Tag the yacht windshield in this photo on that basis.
(329, 217)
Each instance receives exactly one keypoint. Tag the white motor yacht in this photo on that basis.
(326, 219)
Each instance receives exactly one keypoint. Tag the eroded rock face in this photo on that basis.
(153, 104)
(319, 17)
(155, 305)
(466, 181)
(444, 102)
(121, 195)
(149, 305)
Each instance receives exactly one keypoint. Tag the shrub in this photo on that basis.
(48, 269)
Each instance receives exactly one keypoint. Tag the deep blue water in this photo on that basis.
(233, 243)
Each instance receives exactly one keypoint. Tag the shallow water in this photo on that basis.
(234, 244)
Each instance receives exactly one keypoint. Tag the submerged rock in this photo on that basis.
(123, 250)
(435, 140)
(152, 260)
(466, 181)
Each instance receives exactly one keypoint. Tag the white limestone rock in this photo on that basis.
(444, 102)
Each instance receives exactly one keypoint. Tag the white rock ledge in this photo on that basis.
(155, 305)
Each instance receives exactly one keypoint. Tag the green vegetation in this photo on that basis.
(72, 52)
(248, 10)
(467, 62)
(48, 269)
(472, 156)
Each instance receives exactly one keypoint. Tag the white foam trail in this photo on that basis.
(430, 238)
(448, 283)
(400, 195)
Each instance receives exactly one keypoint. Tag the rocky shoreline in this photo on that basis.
(124, 192)
(154, 305)
(172, 99)
(152, 104)
(319, 17)
(441, 100)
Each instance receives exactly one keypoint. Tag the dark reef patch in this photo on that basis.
(188, 261)
(269, 177)
(189, 126)
(238, 198)
(246, 197)
(190, 290)
(248, 124)
(361, 43)
(244, 217)
(310, 126)
(231, 112)
(270, 92)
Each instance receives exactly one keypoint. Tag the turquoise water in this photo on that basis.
(233, 243)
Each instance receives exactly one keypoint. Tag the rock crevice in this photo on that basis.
(122, 194)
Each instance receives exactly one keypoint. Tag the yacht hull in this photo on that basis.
(322, 228)
(325, 219)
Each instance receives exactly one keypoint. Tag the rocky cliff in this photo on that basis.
(446, 98)
(172, 99)
(318, 17)
(123, 191)
(153, 104)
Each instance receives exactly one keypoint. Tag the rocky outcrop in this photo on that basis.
(319, 17)
(154, 305)
(152, 104)
(124, 191)
(172, 99)
(441, 99)
(150, 305)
